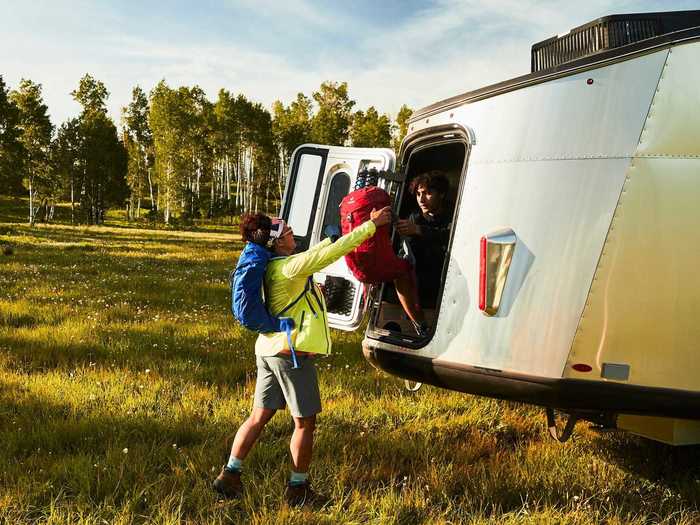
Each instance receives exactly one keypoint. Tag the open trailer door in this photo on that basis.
(319, 178)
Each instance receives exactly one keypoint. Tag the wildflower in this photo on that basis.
(125, 451)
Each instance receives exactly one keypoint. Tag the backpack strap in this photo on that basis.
(308, 286)
(288, 326)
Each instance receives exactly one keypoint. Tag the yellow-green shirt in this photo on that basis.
(285, 279)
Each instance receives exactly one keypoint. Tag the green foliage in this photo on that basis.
(178, 153)
(370, 129)
(101, 154)
(245, 158)
(105, 161)
(331, 123)
(123, 378)
(292, 125)
(66, 157)
(35, 131)
(183, 151)
(92, 94)
(138, 142)
(402, 119)
(10, 146)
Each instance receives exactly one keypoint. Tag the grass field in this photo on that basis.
(123, 378)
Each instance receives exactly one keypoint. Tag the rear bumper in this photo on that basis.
(559, 393)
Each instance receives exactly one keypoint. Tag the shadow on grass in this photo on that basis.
(676, 468)
(172, 355)
(94, 459)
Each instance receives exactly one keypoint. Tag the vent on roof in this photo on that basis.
(609, 32)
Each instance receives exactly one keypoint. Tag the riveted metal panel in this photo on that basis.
(644, 304)
(566, 118)
(561, 211)
(674, 118)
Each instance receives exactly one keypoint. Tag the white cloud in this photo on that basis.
(442, 50)
(297, 12)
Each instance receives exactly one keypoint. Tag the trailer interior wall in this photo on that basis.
(550, 162)
(643, 311)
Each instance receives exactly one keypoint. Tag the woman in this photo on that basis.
(287, 278)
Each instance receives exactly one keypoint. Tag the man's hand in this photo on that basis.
(407, 229)
(381, 217)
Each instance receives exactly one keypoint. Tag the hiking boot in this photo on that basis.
(228, 484)
(301, 494)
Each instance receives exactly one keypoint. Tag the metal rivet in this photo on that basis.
(452, 115)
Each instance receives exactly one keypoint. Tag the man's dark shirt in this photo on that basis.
(429, 249)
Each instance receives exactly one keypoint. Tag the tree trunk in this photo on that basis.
(150, 189)
(72, 201)
(211, 200)
(31, 201)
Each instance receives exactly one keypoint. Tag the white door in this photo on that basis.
(319, 178)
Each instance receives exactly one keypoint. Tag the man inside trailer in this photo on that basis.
(428, 232)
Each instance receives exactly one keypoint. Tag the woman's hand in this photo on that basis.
(381, 217)
(407, 229)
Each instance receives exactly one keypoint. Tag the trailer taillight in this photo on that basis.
(495, 257)
(482, 275)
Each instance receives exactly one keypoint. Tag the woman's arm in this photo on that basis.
(320, 256)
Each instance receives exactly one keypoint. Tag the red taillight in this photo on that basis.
(581, 367)
(482, 275)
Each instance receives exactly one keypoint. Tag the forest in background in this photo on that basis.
(176, 156)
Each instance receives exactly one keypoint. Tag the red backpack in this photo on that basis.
(373, 261)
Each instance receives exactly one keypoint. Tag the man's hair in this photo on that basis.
(255, 227)
(434, 180)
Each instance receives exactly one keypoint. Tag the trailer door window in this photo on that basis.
(339, 188)
(301, 207)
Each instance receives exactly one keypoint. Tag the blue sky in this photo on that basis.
(390, 52)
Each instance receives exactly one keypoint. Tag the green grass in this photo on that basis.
(123, 378)
(15, 210)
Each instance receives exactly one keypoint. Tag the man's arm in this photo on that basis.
(438, 234)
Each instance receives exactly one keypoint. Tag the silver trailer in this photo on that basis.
(570, 280)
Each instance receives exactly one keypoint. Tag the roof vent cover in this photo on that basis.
(606, 33)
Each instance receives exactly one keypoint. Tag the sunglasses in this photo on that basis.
(279, 229)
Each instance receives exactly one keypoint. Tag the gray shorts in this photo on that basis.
(278, 384)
